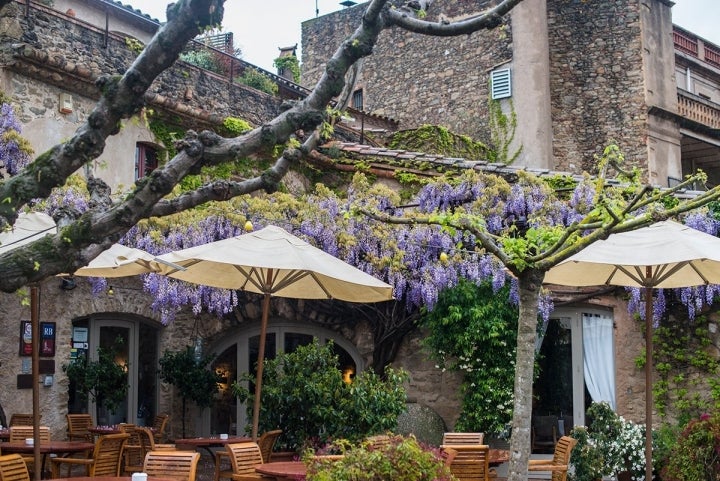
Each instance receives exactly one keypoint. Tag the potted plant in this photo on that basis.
(401, 458)
(304, 395)
(102, 380)
(192, 376)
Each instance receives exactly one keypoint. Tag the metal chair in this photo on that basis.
(178, 465)
(105, 460)
(13, 468)
(558, 465)
(544, 433)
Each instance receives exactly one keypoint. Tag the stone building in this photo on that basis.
(51, 78)
(578, 76)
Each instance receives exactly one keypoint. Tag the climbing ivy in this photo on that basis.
(688, 373)
(435, 139)
(291, 63)
(502, 132)
(257, 80)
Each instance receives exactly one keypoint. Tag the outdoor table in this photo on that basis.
(100, 430)
(283, 470)
(111, 478)
(209, 442)
(61, 448)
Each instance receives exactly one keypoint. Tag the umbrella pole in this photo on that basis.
(648, 380)
(260, 362)
(35, 326)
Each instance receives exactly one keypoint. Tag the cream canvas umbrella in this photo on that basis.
(663, 255)
(121, 261)
(273, 262)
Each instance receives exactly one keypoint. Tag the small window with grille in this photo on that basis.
(500, 84)
(357, 99)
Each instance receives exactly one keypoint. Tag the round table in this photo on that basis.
(111, 478)
(283, 470)
(47, 447)
(209, 442)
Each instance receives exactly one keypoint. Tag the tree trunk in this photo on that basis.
(529, 283)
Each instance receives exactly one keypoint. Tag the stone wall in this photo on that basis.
(412, 78)
(596, 82)
(40, 65)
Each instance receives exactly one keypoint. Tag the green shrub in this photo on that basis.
(696, 456)
(401, 459)
(257, 80)
(303, 393)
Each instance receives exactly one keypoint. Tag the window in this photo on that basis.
(500, 84)
(146, 160)
(357, 99)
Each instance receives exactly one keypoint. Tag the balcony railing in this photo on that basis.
(698, 110)
(690, 44)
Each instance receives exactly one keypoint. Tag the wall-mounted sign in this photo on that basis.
(46, 341)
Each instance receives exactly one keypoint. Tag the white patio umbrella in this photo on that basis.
(663, 255)
(273, 262)
(121, 261)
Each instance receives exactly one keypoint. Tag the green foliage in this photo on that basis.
(303, 393)
(400, 459)
(473, 330)
(104, 381)
(610, 445)
(166, 133)
(190, 375)
(206, 59)
(434, 139)
(236, 126)
(257, 80)
(696, 456)
(134, 45)
(291, 63)
(502, 132)
(687, 371)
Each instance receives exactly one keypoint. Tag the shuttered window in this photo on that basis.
(500, 84)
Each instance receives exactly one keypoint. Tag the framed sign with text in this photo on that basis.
(47, 339)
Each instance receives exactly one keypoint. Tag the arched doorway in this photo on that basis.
(237, 353)
(136, 343)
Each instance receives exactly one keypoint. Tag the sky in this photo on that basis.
(259, 30)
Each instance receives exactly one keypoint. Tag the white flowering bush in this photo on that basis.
(610, 445)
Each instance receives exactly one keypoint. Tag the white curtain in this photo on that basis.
(598, 357)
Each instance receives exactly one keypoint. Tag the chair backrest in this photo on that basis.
(266, 442)
(561, 456)
(463, 438)
(78, 425)
(471, 462)
(379, 441)
(21, 433)
(13, 468)
(244, 456)
(179, 465)
(107, 454)
(21, 420)
(159, 423)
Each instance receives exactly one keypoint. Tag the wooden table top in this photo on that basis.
(211, 441)
(283, 469)
(111, 478)
(47, 447)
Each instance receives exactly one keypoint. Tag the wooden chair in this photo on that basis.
(243, 458)
(266, 441)
(77, 427)
(21, 433)
(558, 465)
(159, 425)
(462, 438)
(471, 462)
(13, 468)
(105, 460)
(21, 420)
(178, 465)
(141, 442)
(544, 433)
